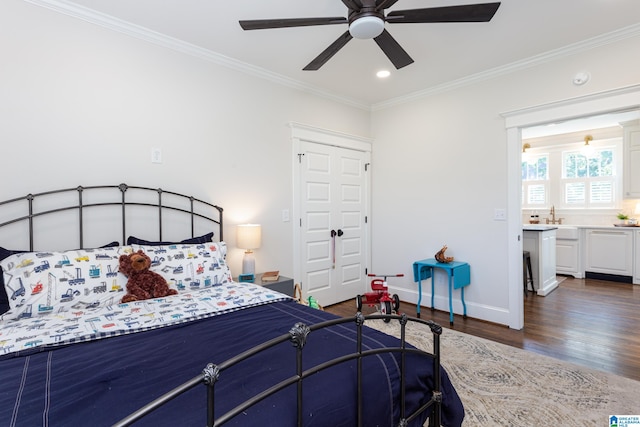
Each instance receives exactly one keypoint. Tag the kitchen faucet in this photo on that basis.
(553, 219)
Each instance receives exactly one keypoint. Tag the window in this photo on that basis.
(588, 178)
(558, 171)
(535, 181)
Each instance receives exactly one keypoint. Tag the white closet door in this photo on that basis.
(333, 237)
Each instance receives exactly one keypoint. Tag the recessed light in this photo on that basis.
(383, 74)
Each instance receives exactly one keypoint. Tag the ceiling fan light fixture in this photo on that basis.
(367, 20)
(367, 27)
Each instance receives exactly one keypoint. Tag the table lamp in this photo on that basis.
(248, 237)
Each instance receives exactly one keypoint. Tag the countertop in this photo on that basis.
(544, 227)
(539, 227)
(617, 227)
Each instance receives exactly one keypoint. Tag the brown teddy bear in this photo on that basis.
(143, 283)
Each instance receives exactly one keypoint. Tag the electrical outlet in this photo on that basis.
(499, 215)
(285, 215)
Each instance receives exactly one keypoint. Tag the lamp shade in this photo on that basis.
(249, 236)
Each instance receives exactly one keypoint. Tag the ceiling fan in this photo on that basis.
(366, 20)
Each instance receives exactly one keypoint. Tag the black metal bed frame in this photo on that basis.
(33, 213)
(297, 335)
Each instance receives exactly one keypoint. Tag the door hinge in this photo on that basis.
(300, 222)
(366, 219)
(300, 157)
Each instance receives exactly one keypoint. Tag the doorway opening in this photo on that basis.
(615, 101)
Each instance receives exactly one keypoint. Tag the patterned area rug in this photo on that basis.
(506, 386)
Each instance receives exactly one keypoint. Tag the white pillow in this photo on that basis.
(190, 266)
(39, 283)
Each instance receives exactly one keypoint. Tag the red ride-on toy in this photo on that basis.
(389, 304)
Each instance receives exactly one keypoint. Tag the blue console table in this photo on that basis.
(459, 275)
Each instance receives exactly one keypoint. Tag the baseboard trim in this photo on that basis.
(608, 277)
(491, 314)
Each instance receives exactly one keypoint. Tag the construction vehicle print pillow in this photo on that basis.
(39, 283)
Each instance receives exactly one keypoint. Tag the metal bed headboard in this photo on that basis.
(215, 217)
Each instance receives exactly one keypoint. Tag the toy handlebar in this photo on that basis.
(386, 275)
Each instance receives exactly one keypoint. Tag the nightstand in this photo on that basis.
(283, 284)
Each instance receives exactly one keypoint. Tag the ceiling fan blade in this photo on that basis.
(398, 56)
(262, 24)
(328, 53)
(353, 5)
(482, 12)
(384, 4)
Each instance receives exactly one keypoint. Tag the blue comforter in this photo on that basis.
(99, 382)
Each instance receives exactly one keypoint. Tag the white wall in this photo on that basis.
(440, 171)
(83, 105)
(80, 104)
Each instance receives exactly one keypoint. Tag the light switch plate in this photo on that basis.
(156, 155)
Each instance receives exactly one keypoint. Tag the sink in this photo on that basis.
(567, 232)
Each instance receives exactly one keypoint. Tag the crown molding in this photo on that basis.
(582, 46)
(143, 33)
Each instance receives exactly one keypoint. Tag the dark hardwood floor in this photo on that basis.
(593, 323)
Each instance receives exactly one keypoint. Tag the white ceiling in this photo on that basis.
(521, 31)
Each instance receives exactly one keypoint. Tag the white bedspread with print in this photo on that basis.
(90, 323)
(58, 298)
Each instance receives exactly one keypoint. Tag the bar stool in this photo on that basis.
(527, 273)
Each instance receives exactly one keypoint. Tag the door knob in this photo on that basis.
(340, 233)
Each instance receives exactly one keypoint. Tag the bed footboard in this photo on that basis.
(297, 336)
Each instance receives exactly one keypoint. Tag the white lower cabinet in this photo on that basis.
(542, 248)
(609, 251)
(568, 257)
(636, 263)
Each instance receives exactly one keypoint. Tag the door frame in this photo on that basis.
(301, 132)
(573, 108)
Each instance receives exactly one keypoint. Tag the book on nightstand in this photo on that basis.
(270, 276)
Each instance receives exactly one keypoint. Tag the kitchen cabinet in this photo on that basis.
(609, 251)
(568, 257)
(631, 159)
(636, 263)
(540, 241)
